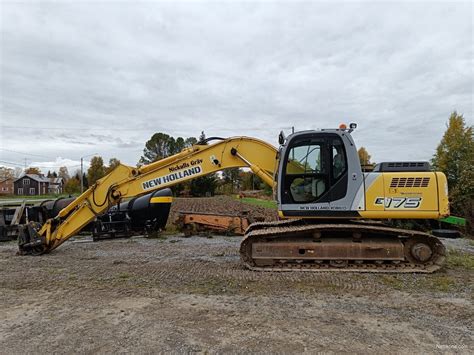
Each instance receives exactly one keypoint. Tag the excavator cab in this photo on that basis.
(320, 175)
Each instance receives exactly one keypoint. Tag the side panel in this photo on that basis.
(374, 187)
(410, 195)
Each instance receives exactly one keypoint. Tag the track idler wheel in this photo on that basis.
(422, 250)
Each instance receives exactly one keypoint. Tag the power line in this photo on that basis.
(34, 155)
(78, 128)
(12, 163)
(41, 166)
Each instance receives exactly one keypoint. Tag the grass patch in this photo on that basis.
(392, 281)
(213, 287)
(259, 202)
(171, 229)
(457, 259)
(419, 283)
(441, 283)
(157, 235)
(124, 276)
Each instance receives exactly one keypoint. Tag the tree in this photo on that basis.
(364, 156)
(63, 173)
(54, 174)
(462, 196)
(85, 181)
(189, 142)
(180, 144)
(162, 145)
(77, 174)
(73, 186)
(455, 152)
(33, 170)
(455, 157)
(204, 185)
(113, 163)
(202, 138)
(250, 181)
(96, 170)
(156, 148)
(232, 177)
(48, 175)
(6, 173)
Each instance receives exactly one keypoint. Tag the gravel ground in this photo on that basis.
(192, 295)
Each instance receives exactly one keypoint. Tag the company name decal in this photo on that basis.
(174, 176)
(323, 207)
(398, 202)
(185, 165)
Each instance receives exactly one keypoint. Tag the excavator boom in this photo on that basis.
(125, 181)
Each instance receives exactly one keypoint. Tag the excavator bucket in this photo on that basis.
(29, 241)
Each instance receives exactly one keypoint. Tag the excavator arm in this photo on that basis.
(125, 181)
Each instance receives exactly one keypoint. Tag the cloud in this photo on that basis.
(103, 77)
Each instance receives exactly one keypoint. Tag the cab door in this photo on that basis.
(306, 179)
(318, 176)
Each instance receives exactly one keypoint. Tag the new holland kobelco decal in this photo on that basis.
(177, 172)
(398, 202)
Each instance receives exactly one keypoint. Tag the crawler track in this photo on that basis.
(295, 245)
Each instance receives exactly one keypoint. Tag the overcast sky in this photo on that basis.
(102, 77)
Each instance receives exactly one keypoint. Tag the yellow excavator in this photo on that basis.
(330, 211)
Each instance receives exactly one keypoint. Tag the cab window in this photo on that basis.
(305, 159)
(306, 172)
(313, 166)
(339, 165)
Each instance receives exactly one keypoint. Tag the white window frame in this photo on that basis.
(32, 191)
(26, 181)
(20, 191)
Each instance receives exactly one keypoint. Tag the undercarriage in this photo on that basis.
(333, 246)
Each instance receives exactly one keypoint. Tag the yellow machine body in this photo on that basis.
(406, 195)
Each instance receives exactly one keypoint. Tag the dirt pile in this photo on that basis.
(219, 205)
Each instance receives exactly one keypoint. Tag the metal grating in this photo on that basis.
(399, 166)
(410, 182)
(408, 164)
